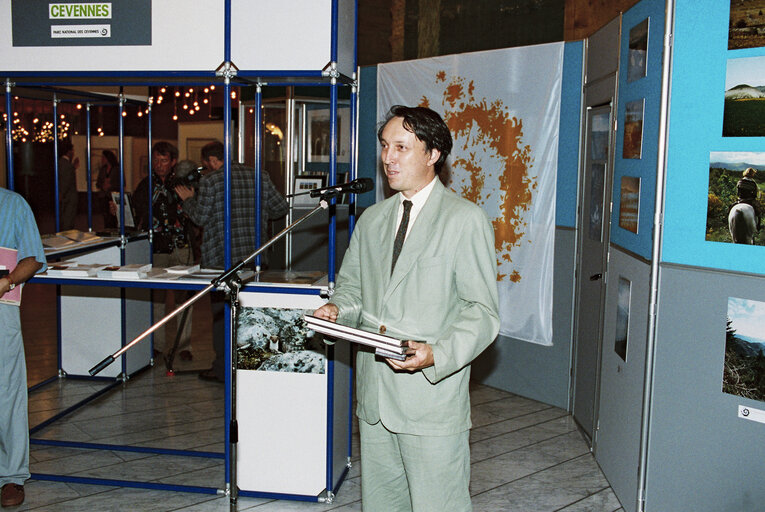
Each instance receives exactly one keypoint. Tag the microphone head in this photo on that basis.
(362, 185)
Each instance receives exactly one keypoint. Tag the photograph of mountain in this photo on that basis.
(744, 368)
(747, 24)
(726, 170)
(744, 110)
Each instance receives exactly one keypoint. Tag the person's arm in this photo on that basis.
(199, 205)
(24, 270)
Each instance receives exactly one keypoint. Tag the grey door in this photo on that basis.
(592, 265)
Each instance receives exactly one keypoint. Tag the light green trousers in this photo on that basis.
(408, 473)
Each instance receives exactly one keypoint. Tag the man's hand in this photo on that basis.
(419, 356)
(327, 312)
(184, 192)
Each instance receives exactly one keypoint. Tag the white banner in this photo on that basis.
(503, 109)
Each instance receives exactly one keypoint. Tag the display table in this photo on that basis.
(99, 320)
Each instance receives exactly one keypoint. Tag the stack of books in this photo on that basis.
(384, 346)
(132, 271)
(74, 269)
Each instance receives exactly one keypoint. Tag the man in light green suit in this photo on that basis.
(425, 272)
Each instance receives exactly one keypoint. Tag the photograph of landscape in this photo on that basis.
(747, 24)
(633, 129)
(726, 168)
(744, 369)
(744, 111)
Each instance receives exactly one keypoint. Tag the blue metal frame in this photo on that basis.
(89, 164)
(9, 134)
(277, 78)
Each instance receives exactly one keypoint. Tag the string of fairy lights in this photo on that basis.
(30, 127)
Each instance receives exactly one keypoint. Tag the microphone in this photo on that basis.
(357, 186)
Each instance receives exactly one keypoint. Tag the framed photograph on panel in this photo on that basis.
(629, 205)
(734, 197)
(745, 25)
(597, 183)
(744, 105)
(318, 134)
(633, 129)
(638, 51)
(622, 318)
(306, 183)
(743, 371)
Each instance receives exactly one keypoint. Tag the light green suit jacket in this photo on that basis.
(443, 291)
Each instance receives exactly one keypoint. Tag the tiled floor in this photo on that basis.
(526, 456)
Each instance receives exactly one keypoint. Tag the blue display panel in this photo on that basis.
(568, 139)
(700, 61)
(639, 107)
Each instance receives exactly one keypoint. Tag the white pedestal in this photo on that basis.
(92, 318)
(287, 432)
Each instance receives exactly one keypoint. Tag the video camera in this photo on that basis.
(187, 174)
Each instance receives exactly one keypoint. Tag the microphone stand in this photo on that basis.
(231, 283)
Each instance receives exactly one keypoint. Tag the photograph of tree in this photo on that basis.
(629, 203)
(734, 199)
(744, 370)
(744, 110)
(633, 129)
(747, 24)
(622, 318)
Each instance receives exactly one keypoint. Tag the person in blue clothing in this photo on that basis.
(18, 231)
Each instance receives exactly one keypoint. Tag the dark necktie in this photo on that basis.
(401, 234)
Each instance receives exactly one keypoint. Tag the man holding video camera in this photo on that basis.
(206, 207)
(171, 234)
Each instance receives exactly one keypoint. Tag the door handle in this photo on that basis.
(595, 277)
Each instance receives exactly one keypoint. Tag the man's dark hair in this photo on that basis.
(214, 148)
(426, 125)
(64, 146)
(165, 149)
(111, 158)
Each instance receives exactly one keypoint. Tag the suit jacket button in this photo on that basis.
(382, 329)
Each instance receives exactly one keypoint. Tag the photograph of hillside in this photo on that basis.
(725, 171)
(744, 112)
(744, 368)
(747, 24)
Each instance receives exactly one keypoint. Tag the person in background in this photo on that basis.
(67, 184)
(108, 181)
(748, 192)
(171, 232)
(18, 232)
(205, 208)
(420, 267)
